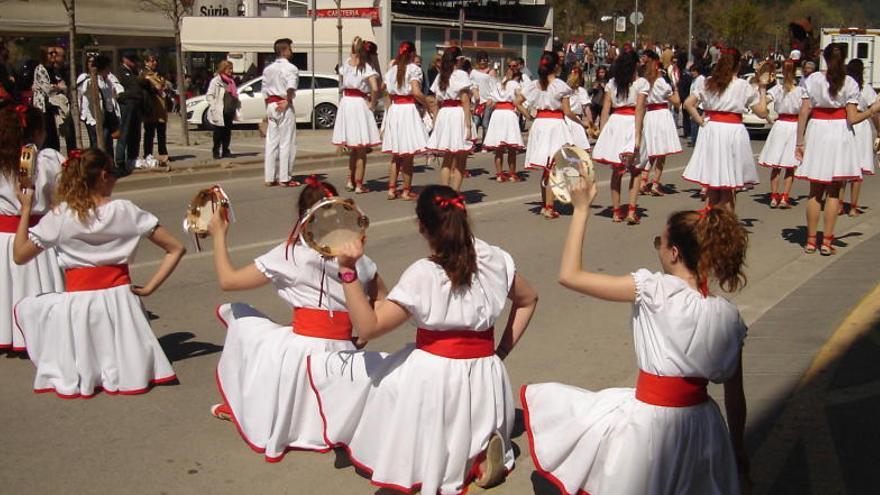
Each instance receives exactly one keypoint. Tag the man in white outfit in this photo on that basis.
(484, 82)
(280, 79)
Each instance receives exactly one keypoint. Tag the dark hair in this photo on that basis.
(725, 71)
(444, 222)
(651, 70)
(855, 69)
(447, 65)
(624, 71)
(14, 135)
(681, 60)
(712, 243)
(547, 65)
(466, 65)
(102, 62)
(836, 72)
(370, 55)
(481, 58)
(405, 55)
(604, 73)
(312, 192)
(281, 43)
(80, 176)
(789, 75)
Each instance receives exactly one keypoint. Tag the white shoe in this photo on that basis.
(140, 163)
(151, 162)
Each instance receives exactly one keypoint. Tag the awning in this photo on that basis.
(258, 34)
(108, 17)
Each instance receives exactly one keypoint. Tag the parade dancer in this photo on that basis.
(865, 134)
(621, 137)
(453, 129)
(262, 373)
(778, 151)
(95, 336)
(661, 134)
(826, 145)
(280, 80)
(21, 125)
(503, 134)
(666, 435)
(404, 135)
(548, 96)
(579, 102)
(355, 127)
(723, 161)
(437, 414)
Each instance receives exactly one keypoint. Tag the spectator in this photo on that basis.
(527, 74)
(597, 90)
(155, 112)
(50, 96)
(432, 72)
(131, 106)
(222, 97)
(601, 49)
(108, 90)
(685, 79)
(808, 68)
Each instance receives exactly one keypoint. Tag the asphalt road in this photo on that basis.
(166, 441)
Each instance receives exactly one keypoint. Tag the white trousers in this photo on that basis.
(280, 143)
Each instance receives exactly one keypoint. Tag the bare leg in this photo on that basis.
(460, 165)
(406, 167)
(511, 162)
(774, 180)
(659, 164)
(616, 179)
(352, 166)
(854, 199)
(788, 181)
(446, 169)
(393, 169)
(832, 202)
(360, 168)
(814, 207)
(499, 165)
(635, 184)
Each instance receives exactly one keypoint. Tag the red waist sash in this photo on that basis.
(504, 105)
(354, 92)
(9, 223)
(450, 103)
(625, 110)
(671, 391)
(788, 117)
(658, 106)
(96, 277)
(274, 99)
(550, 114)
(456, 344)
(828, 113)
(724, 117)
(322, 324)
(403, 99)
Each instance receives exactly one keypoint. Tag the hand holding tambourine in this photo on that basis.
(332, 225)
(200, 213)
(27, 166)
(570, 165)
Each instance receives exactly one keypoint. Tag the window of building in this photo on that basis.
(400, 34)
(862, 50)
(431, 37)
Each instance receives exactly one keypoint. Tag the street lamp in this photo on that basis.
(606, 18)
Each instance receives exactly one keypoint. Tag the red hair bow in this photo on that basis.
(405, 48)
(74, 154)
(21, 111)
(456, 202)
(544, 62)
(705, 211)
(313, 181)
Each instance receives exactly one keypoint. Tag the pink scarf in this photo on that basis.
(230, 85)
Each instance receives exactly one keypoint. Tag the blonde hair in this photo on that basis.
(222, 66)
(80, 177)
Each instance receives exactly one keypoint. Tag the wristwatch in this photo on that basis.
(348, 277)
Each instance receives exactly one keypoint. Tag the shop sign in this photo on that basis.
(371, 13)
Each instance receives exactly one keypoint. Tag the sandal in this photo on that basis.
(406, 194)
(222, 412)
(466, 173)
(774, 200)
(617, 214)
(810, 245)
(632, 217)
(492, 470)
(549, 212)
(854, 211)
(513, 177)
(360, 188)
(784, 202)
(349, 186)
(500, 177)
(291, 183)
(827, 248)
(657, 189)
(392, 192)
(644, 188)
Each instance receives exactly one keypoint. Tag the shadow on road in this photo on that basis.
(179, 346)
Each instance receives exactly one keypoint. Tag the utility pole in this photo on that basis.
(636, 28)
(690, 31)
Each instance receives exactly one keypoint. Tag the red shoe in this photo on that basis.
(827, 249)
(632, 217)
(774, 200)
(360, 188)
(617, 214)
(407, 195)
(466, 173)
(810, 245)
(549, 212)
(222, 411)
(784, 202)
(500, 177)
(392, 192)
(513, 177)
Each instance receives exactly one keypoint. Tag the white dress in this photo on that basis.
(449, 134)
(41, 274)
(503, 132)
(829, 144)
(612, 442)
(355, 125)
(92, 339)
(617, 139)
(547, 134)
(723, 157)
(262, 373)
(403, 130)
(661, 134)
(415, 418)
(778, 151)
(578, 100)
(864, 133)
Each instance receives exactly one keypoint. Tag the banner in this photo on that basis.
(370, 13)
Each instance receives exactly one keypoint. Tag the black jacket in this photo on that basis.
(134, 91)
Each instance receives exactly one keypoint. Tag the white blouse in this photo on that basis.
(458, 82)
(660, 92)
(505, 92)
(109, 237)
(413, 73)
(867, 97)
(352, 78)
(578, 100)
(738, 97)
(549, 99)
(817, 92)
(305, 279)
(425, 291)
(48, 169)
(786, 102)
(639, 86)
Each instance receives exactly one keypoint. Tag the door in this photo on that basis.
(864, 48)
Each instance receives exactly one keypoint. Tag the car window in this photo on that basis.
(305, 82)
(326, 82)
(257, 86)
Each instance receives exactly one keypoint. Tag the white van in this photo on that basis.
(862, 44)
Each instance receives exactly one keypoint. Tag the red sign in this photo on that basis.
(371, 13)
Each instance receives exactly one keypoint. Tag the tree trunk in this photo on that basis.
(71, 56)
(181, 85)
(97, 108)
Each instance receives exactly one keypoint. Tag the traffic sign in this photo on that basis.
(637, 18)
(620, 24)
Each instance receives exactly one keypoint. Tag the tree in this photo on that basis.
(70, 8)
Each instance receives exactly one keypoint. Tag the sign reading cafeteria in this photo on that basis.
(371, 13)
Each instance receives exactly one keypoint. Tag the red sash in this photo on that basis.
(788, 117)
(450, 103)
(403, 99)
(9, 223)
(504, 105)
(96, 277)
(625, 110)
(356, 93)
(457, 344)
(724, 117)
(274, 99)
(550, 114)
(658, 106)
(828, 113)
(320, 324)
(671, 391)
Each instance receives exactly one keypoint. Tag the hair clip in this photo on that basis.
(74, 154)
(444, 203)
(313, 181)
(704, 212)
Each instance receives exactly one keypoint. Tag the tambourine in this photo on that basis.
(330, 224)
(202, 209)
(569, 164)
(27, 166)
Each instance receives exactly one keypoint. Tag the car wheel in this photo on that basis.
(325, 116)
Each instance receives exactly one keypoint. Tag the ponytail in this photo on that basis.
(404, 56)
(357, 48)
(855, 69)
(725, 71)
(79, 179)
(789, 75)
(712, 244)
(443, 218)
(624, 72)
(19, 125)
(836, 72)
(546, 66)
(447, 65)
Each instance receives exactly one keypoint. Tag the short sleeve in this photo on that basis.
(277, 265)
(751, 94)
(413, 73)
(642, 86)
(408, 292)
(144, 221)
(46, 233)
(561, 89)
(851, 91)
(648, 287)
(291, 78)
(774, 93)
(459, 81)
(366, 268)
(528, 90)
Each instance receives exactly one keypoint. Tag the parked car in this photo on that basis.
(755, 124)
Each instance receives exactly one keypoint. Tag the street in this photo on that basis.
(167, 442)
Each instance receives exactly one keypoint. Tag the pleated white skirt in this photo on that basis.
(778, 151)
(661, 135)
(578, 134)
(449, 134)
(829, 153)
(722, 157)
(864, 147)
(403, 131)
(503, 131)
(546, 136)
(617, 141)
(355, 125)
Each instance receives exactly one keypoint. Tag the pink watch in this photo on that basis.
(348, 277)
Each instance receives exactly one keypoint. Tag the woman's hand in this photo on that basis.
(358, 342)
(583, 193)
(219, 225)
(799, 152)
(350, 253)
(141, 291)
(25, 196)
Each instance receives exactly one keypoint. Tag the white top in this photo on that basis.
(426, 293)
(738, 97)
(659, 92)
(352, 78)
(678, 332)
(505, 91)
(867, 97)
(484, 83)
(639, 86)
(413, 73)
(578, 100)
(297, 277)
(458, 82)
(817, 92)
(549, 99)
(48, 168)
(108, 88)
(698, 83)
(790, 102)
(110, 237)
(278, 77)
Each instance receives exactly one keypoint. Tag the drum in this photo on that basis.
(330, 224)
(27, 166)
(569, 165)
(204, 205)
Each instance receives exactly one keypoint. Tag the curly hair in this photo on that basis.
(712, 244)
(14, 135)
(79, 179)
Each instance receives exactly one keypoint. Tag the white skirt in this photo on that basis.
(546, 136)
(355, 125)
(503, 132)
(450, 134)
(722, 157)
(617, 141)
(578, 134)
(403, 130)
(864, 148)
(829, 153)
(84, 342)
(778, 151)
(262, 376)
(412, 418)
(609, 442)
(40, 275)
(661, 134)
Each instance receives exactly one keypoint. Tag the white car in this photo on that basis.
(253, 102)
(756, 124)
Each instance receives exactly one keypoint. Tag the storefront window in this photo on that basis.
(398, 35)
(534, 48)
(487, 36)
(431, 37)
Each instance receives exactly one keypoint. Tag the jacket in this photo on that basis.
(214, 97)
(132, 85)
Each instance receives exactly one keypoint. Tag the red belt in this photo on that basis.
(671, 391)
(788, 117)
(403, 99)
(322, 324)
(625, 110)
(275, 99)
(724, 117)
(457, 344)
(828, 113)
(550, 114)
(450, 103)
(354, 92)
(96, 277)
(658, 106)
(9, 223)
(504, 105)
